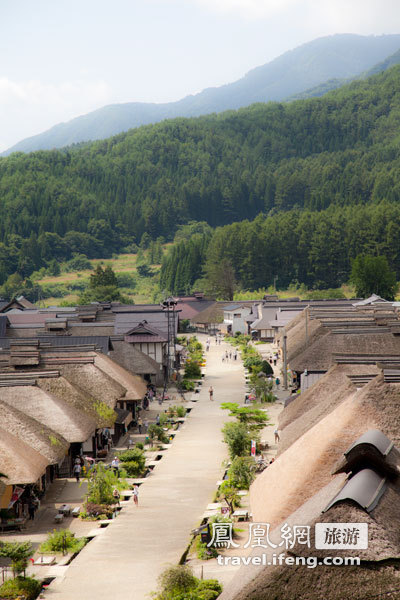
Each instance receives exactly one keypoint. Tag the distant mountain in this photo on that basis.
(333, 84)
(339, 57)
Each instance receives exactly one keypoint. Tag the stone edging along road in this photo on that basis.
(125, 561)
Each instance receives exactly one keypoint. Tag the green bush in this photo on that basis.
(125, 280)
(266, 368)
(133, 461)
(134, 469)
(79, 262)
(179, 583)
(177, 579)
(139, 445)
(155, 431)
(252, 361)
(242, 472)
(62, 540)
(95, 512)
(55, 290)
(163, 419)
(26, 587)
(192, 369)
(188, 385)
(237, 438)
(203, 552)
(180, 411)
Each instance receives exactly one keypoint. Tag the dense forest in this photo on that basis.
(310, 247)
(317, 170)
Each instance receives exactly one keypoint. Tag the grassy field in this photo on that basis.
(144, 290)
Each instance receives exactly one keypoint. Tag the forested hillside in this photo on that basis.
(340, 151)
(340, 56)
(314, 248)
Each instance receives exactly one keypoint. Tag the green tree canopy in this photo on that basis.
(373, 275)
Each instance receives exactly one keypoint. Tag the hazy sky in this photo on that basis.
(64, 58)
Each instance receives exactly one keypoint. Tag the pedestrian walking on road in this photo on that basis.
(235, 355)
(226, 354)
(139, 424)
(115, 465)
(77, 471)
(32, 508)
(136, 494)
(157, 419)
(146, 425)
(276, 434)
(211, 392)
(277, 382)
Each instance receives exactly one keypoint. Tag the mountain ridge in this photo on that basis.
(333, 57)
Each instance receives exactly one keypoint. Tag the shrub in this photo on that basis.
(155, 431)
(163, 419)
(237, 438)
(63, 541)
(192, 369)
(179, 583)
(180, 411)
(101, 484)
(25, 587)
(139, 445)
(242, 472)
(96, 511)
(134, 468)
(19, 553)
(177, 579)
(203, 552)
(56, 290)
(125, 280)
(79, 262)
(188, 385)
(266, 368)
(133, 454)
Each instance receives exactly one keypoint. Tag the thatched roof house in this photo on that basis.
(133, 384)
(50, 444)
(19, 461)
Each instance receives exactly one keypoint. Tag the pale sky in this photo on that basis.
(64, 58)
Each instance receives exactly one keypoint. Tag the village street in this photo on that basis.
(125, 560)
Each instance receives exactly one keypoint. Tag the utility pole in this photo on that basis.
(285, 386)
(169, 306)
(306, 315)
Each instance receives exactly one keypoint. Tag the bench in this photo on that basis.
(65, 509)
(241, 515)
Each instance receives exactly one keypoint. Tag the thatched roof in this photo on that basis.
(378, 569)
(134, 385)
(35, 434)
(133, 360)
(46, 407)
(18, 460)
(93, 382)
(320, 399)
(305, 467)
(319, 354)
(211, 315)
(297, 340)
(74, 400)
